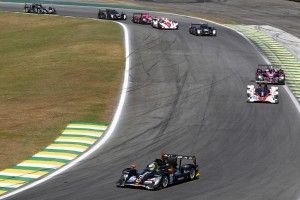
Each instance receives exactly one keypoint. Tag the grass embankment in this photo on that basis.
(54, 70)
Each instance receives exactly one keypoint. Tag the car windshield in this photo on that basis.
(204, 26)
(114, 12)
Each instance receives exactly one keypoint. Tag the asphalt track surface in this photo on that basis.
(283, 14)
(187, 95)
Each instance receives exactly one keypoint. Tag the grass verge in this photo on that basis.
(54, 70)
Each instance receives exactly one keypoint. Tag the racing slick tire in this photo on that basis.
(121, 182)
(192, 174)
(164, 182)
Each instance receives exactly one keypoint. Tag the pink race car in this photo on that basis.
(270, 75)
(164, 23)
(141, 18)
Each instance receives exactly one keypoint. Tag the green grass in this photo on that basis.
(54, 70)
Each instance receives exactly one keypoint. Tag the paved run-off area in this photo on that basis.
(276, 53)
(186, 96)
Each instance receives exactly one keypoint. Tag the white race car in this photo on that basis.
(262, 94)
(164, 23)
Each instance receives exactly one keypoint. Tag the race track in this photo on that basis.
(188, 96)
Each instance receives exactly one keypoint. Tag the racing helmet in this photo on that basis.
(152, 166)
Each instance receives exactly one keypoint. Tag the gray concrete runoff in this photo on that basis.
(187, 95)
(289, 41)
(283, 14)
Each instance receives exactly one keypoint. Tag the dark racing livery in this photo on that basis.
(111, 14)
(170, 169)
(269, 74)
(38, 8)
(141, 18)
(202, 30)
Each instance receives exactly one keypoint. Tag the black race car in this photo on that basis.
(38, 8)
(111, 14)
(202, 30)
(168, 170)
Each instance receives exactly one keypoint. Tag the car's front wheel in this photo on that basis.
(164, 182)
(121, 182)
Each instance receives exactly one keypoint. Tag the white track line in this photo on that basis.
(106, 136)
(293, 98)
(291, 95)
(123, 98)
(287, 89)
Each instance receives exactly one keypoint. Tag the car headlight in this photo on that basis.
(214, 31)
(198, 31)
(260, 77)
(281, 77)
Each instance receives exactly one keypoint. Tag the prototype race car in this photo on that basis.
(161, 173)
(269, 74)
(202, 30)
(164, 23)
(141, 18)
(38, 8)
(262, 94)
(111, 14)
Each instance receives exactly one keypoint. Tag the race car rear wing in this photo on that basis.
(141, 13)
(180, 157)
(269, 66)
(262, 82)
(197, 24)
